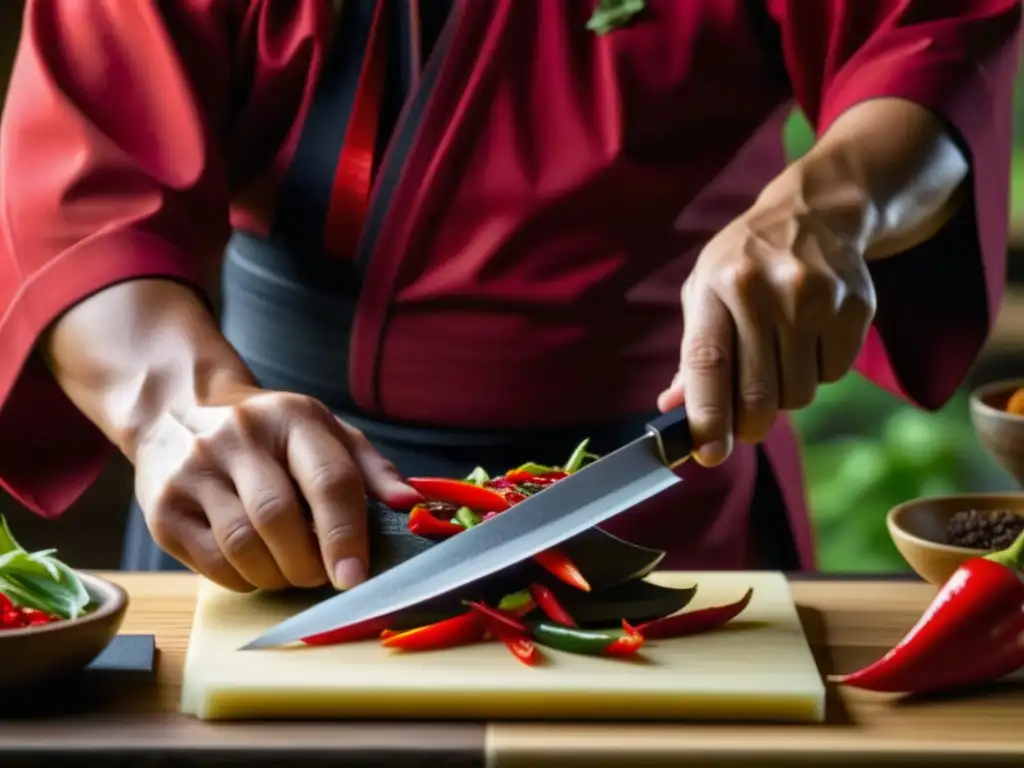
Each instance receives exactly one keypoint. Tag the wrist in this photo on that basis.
(828, 190)
(139, 352)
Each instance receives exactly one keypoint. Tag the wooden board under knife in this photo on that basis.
(758, 668)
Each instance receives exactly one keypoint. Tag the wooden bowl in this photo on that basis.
(1001, 434)
(48, 653)
(918, 528)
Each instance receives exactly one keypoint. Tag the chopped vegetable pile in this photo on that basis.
(35, 587)
(557, 607)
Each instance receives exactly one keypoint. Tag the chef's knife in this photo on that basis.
(611, 485)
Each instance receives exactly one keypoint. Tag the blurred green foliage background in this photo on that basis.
(866, 450)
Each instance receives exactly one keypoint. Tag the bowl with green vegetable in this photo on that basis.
(937, 534)
(53, 620)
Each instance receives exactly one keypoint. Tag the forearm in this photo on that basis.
(137, 350)
(886, 175)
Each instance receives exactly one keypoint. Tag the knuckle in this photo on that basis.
(756, 396)
(707, 355)
(340, 535)
(708, 417)
(161, 526)
(742, 277)
(267, 507)
(238, 539)
(328, 478)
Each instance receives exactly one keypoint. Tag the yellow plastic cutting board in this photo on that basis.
(758, 668)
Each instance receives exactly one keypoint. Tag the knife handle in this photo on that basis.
(671, 430)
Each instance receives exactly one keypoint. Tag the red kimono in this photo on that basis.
(543, 195)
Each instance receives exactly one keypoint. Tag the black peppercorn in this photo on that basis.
(984, 529)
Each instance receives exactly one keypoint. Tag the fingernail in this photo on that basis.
(712, 454)
(349, 572)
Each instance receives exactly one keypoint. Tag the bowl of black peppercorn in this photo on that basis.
(936, 535)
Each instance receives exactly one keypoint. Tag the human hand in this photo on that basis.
(778, 302)
(220, 487)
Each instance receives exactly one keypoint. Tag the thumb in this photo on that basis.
(383, 480)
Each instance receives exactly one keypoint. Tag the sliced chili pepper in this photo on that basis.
(512, 497)
(628, 644)
(460, 493)
(694, 622)
(971, 633)
(500, 623)
(522, 648)
(589, 642)
(423, 523)
(363, 630)
(519, 476)
(558, 564)
(458, 630)
(548, 603)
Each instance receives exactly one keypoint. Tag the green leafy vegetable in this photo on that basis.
(38, 579)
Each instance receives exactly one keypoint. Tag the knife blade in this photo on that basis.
(599, 491)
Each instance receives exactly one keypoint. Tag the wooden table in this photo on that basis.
(849, 622)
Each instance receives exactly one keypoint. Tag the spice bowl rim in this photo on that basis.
(895, 529)
(110, 599)
(977, 397)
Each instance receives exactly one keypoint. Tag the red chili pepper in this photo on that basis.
(522, 648)
(460, 493)
(458, 630)
(558, 564)
(971, 633)
(694, 622)
(513, 497)
(499, 623)
(628, 644)
(423, 523)
(363, 630)
(519, 476)
(548, 603)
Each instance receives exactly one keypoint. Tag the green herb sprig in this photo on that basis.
(38, 579)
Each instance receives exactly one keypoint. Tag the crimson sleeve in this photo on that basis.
(119, 154)
(957, 58)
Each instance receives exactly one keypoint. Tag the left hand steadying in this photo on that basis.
(778, 302)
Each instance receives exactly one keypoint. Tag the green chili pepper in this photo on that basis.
(467, 517)
(478, 476)
(573, 640)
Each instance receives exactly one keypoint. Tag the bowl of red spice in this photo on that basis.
(54, 620)
(936, 535)
(997, 413)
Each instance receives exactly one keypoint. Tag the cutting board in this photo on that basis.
(759, 667)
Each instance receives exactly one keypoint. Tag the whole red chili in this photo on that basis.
(694, 622)
(548, 603)
(971, 633)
